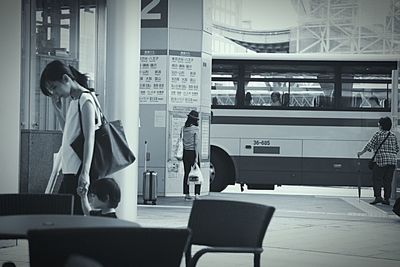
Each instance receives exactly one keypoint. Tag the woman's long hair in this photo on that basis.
(191, 121)
(55, 70)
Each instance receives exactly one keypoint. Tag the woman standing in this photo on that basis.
(384, 143)
(61, 81)
(190, 150)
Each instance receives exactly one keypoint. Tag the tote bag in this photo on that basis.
(195, 175)
(179, 147)
(111, 151)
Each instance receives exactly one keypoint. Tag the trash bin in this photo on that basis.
(149, 187)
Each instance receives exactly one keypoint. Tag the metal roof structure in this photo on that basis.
(327, 26)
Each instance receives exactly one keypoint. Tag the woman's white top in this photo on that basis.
(70, 161)
(189, 143)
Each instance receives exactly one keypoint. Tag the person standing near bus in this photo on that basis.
(190, 151)
(385, 160)
(61, 81)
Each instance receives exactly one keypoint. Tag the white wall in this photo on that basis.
(10, 77)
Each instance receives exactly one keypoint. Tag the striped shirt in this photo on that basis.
(387, 153)
(189, 133)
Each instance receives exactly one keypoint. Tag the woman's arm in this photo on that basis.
(88, 128)
(82, 192)
(196, 147)
(370, 145)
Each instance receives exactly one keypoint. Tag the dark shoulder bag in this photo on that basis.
(371, 162)
(111, 151)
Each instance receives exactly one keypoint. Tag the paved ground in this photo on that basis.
(320, 227)
(335, 228)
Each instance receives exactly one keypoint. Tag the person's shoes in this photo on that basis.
(376, 201)
(188, 197)
(386, 202)
(196, 196)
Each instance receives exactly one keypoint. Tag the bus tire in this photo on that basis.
(220, 173)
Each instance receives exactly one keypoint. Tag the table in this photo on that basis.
(17, 226)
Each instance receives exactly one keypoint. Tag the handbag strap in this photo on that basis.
(376, 151)
(102, 117)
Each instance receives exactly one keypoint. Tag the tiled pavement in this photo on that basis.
(306, 230)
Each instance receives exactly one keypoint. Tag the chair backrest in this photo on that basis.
(16, 204)
(225, 223)
(139, 247)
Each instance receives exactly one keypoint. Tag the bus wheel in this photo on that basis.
(219, 173)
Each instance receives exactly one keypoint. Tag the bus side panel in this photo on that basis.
(335, 172)
(337, 167)
(230, 145)
(332, 148)
(269, 170)
(301, 171)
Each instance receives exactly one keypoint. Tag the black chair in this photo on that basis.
(227, 226)
(133, 246)
(16, 204)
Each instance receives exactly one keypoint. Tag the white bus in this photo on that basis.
(325, 109)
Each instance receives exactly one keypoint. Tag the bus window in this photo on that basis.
(366, 86)
(365, 95)
(262, 93)
(309, 94)
(225, 70)
(223, 93)
(277, 70)
(325, 98)
(367, 72)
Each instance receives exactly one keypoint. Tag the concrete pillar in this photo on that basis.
(10, 75)
(175, 78)
(122, 93)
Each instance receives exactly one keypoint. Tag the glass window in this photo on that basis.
(223, 93)
(303, 84)
(365, 95)
(265, 93)
(224, 70)
(274, 70)
(66, 30)
(369, 71)
(369, 76)
(311, 94)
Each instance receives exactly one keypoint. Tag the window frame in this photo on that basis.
(338, 68)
